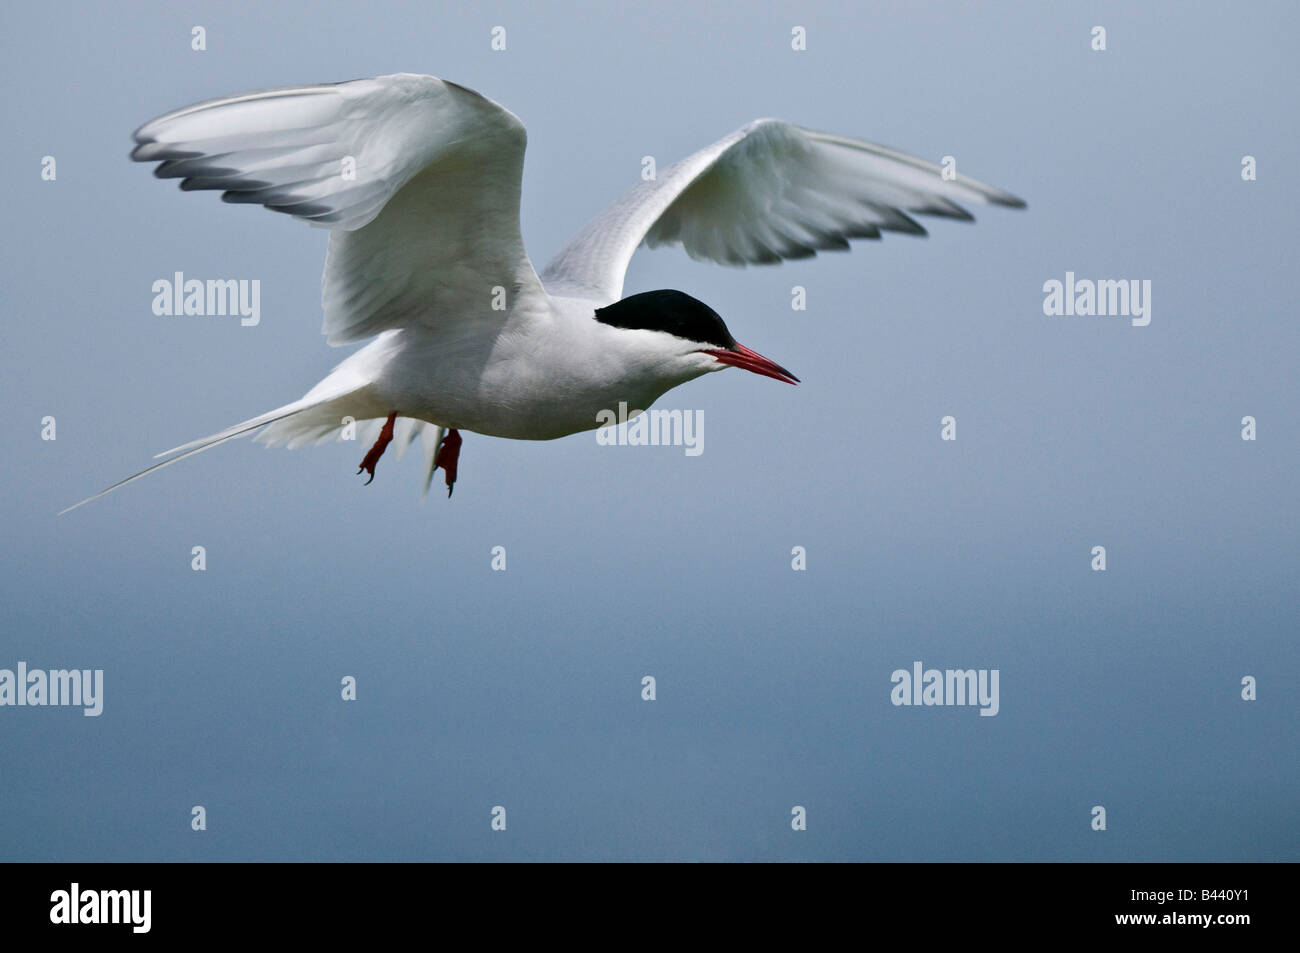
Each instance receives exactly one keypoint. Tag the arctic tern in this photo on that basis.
(418, 180)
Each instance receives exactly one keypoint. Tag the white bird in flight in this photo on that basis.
(418, 180)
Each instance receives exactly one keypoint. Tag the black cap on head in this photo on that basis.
(673, 311)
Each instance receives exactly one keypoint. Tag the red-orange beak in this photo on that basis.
(741, 356)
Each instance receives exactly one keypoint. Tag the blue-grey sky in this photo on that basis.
(522, 688)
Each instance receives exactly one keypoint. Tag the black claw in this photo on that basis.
(372, 476)
(449, 489)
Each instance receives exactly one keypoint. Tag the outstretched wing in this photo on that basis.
(766, 193)
(419, 179)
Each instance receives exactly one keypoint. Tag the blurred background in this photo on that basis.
(522, 688)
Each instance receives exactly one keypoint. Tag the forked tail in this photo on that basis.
(198, 446)
(313, 419)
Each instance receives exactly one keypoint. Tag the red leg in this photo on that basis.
(377, 451)
(448, 457)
